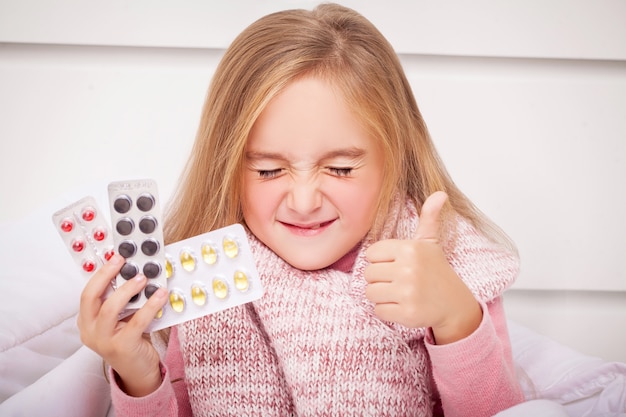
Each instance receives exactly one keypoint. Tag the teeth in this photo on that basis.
(317, 226)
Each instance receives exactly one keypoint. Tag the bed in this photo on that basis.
(44, 369)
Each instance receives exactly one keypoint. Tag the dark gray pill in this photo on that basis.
(150, 290)
(127, 249)
(145, 202)
(122, 204)
(150, 247)
(125, 226)
(129, 270)
(147, 224)
(151, 270)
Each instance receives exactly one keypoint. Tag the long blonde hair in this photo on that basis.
(343, 47)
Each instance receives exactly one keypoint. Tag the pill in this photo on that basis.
(187, 261)
(209, 254)
(89, 265)
(127, 249)
(122, 204)
(177, 301)
(78, 245)
(145, 202)
(109, 254)
(198, 295)
(125, 226)
(88, 214)
(159, 314)
(147, 224)
(241, 281)
(169, 269)
(231, 249)
(99, 234)
(150, 247)
(220, 289)
(151, 269)
(129, 270)
(150, 290)
(67, 225)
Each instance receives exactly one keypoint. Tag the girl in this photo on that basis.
(312, 138)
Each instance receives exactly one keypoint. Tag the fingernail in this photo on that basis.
(140, 277)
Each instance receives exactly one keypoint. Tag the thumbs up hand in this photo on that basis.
(411, 283)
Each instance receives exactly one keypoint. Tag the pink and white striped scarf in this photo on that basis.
(312, 346)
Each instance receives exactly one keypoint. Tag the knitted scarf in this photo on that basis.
(312, 346)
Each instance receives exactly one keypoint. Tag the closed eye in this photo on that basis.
(267, 174)
(340, 172)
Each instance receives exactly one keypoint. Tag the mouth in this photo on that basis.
(308, 229)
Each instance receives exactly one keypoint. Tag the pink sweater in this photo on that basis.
(472, 377)
(478, 367)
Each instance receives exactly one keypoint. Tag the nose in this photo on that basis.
(305, 195)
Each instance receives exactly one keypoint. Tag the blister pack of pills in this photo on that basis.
(206, 274)
(86, 234)
(138, 234)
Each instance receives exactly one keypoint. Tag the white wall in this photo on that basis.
(525, 100)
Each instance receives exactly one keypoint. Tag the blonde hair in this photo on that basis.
(344, 48)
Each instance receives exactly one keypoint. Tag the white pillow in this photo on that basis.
(40, 286)
(76, 388)
(584, 385)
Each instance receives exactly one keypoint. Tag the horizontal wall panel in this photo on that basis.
(539, 145)
(591, 322)
(576, 29)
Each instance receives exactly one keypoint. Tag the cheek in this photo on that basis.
(259, 200)
(358, 202)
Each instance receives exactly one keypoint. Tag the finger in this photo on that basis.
(144, 316)
(430, 216)
(117, 301)
(91, 297)
(382, 251)
(380, 293)
(395, 313)
(377, 272)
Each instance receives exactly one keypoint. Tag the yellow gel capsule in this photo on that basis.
(159, 314)
(241, 281)
(169, 269)
(231, 249)
(198, 295)
(177, 301)
(187, 261)
(220, 289)
(209, 254)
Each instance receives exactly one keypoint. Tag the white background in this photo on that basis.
(526, 101)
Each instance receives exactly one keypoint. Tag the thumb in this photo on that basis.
(430, 216)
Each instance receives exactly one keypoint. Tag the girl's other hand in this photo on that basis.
(122, 344)
(411, 282)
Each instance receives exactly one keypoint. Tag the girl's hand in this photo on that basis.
(122, 344)
(411, 282)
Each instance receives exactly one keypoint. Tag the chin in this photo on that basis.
(308, 264)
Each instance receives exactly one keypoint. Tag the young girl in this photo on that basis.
(382, 281)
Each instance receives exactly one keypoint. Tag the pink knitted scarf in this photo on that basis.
(312, 345)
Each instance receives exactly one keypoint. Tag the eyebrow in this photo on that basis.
(336, 153)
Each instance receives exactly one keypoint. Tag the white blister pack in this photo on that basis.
(138, 234)
(206, 274)
(86, 234)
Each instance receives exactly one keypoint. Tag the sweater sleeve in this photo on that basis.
(169, 400)
(475, 376)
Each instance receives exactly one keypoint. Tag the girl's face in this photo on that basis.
(312, 176)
